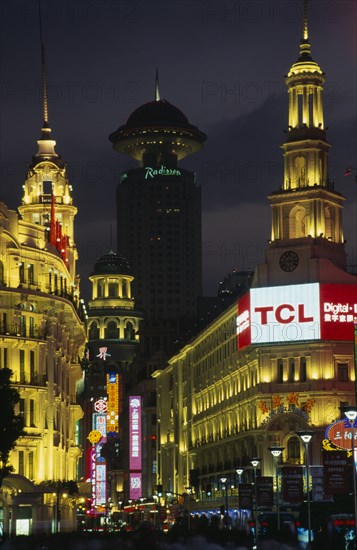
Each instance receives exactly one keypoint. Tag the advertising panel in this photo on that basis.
(293, 313)
(265, 491)
(336, 472)
(135, 432)
(99, 423)
(245, 496)
(292, 483)
(135, 485)
(113, 387)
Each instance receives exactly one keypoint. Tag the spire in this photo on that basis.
(157, 90)
(304, 42)
(46, 145)
(44, 71)
(305, 31)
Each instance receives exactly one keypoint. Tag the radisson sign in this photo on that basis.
(151, 172)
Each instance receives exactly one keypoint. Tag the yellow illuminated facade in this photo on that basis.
(42, 331)
(219, 407)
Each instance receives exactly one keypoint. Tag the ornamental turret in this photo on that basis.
(47, 194)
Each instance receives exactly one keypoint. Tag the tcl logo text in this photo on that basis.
(284, 313)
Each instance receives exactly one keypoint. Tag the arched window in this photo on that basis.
(294, 449)
(297, 222)
(129, 331)
(111, 330)
(300, 167)
(93, 331)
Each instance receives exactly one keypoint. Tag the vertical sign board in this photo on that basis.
(293, 490)
(245, 496)
(336, 472)
(265, 491)
(113, 387)
(135, 485)
(135, 444)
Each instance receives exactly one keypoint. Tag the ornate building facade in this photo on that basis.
(283, 361)
(42, 337)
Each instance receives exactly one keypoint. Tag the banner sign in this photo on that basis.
(292, 484)
(135, 432)
(265, 493)
(113, 388)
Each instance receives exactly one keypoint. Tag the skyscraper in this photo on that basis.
(159, 220)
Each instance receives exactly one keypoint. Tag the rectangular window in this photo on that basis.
(32, 413)
(4, 323)
(22, 366)
(21, 273)
(22, 407)
(30, 273)
(32, 327)
(22, 325)
(280, 366)
(302, 369)
(32, 366)
(30, 463)
(21, 463)
(292, 370)
(342, 372)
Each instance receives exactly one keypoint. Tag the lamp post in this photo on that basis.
(351, 413)
(255, 463)
(276, 452)
(224, 481)
(188, 489)
(239, 472)
(306, 436)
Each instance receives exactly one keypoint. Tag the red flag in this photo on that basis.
(348, 172)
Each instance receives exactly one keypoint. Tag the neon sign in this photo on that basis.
(113, 402)
(162, 171)
(135, 432)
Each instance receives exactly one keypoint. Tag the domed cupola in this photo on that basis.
(157, 133)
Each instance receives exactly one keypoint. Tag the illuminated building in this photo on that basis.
(42, 335)
(223, 402)
(159, 220)
(113, 338)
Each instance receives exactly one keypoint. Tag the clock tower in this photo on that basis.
(307, 242)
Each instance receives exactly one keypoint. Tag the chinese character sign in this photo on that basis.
(135, 432)
(113, 388)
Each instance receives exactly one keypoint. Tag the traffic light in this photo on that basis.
(159, 491)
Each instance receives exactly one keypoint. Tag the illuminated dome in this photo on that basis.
(111, 263)
(157, 128)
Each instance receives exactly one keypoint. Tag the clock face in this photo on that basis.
(289, 261)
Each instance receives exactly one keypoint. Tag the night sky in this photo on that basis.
(221, 62)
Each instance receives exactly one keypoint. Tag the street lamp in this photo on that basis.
(306, 436)
(255, 463)
(224, 481)
(239, 472)
(351, 413)
(188, 489)
(276, 452)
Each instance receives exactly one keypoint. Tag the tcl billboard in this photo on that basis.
(296, 312)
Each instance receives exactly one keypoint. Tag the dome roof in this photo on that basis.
(111, 263)
(157, 114)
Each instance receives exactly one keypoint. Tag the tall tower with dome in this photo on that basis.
(159, 220)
